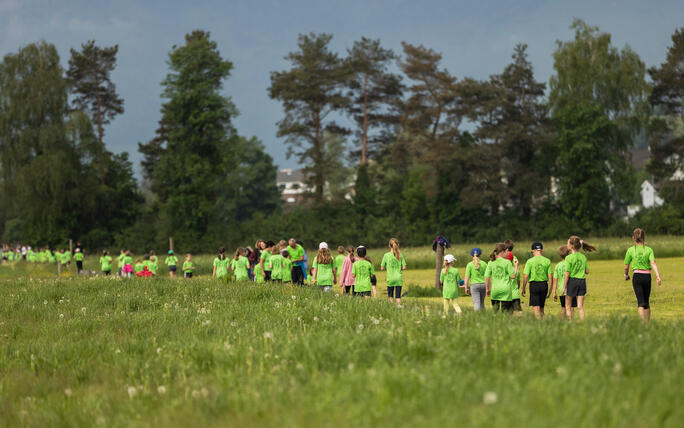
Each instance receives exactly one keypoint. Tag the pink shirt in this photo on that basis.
(346, 277)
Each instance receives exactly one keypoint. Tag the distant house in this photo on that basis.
(292, 186)
(649, 199)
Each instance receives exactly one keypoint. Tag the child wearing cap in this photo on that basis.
(475, 280)
(363, 270)
(324, 270)
(539, 273)
(171, 261)
(395, 263)
(450, 280)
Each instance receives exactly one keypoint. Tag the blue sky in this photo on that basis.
(475, 38)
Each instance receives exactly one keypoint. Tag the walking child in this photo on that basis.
(172, 262)
(240, 265)
(642, 259)
(577, 269)
(106, 263)
(498, 276)
(515, 282)
(276, 263)
(78, 257)
(286, 267)
(220, 265)
(558, 278)
(346, 276)
(538, 271)
(363, 270)
(450, 280)
(393, 261)
(188, 266)
(324, 271)
(475, 279)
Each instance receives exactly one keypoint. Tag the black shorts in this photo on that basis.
(538, 292)
(576, 287)
(347, 289)
(573, 304)
(502, 305)
(267, 275)
(641, 283)
(394, 291)
(172, 268)
(107, 272)
(515, 305)
(79, 264)
(362, 293)
(188, 274)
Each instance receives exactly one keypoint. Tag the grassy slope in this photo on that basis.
(243, 355)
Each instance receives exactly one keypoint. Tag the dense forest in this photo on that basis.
(393, 144)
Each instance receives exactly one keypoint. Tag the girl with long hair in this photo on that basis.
(393, 261)
(577, 269)
(642, 259)
(498, 276)
(324, 271)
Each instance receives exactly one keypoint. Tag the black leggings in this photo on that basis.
(297, 275)
(394, 291)
(641, 283)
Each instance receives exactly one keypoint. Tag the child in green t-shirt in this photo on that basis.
(188, 266)
(78, 256)
(286, 267)
(450, 280)
(139, 266)
(106, 263)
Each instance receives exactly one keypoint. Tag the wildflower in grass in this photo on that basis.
(268, 335)
(61, 316)
(360, 326)
(227, 345)
(159, 351)
(68, 392)
(161, 389)
(294, 297)
(561, 370)
(617, 368)
(118, 351)
(315, 318)
(489, 398)
(206, 322)
(132, 392)
(195, 393)
(45, 302)
(83, 309)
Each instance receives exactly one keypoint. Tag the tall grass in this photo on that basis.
(84, 352)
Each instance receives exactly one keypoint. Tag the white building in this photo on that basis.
(292, 185)
(649, 199)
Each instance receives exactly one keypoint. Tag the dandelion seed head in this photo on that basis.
(489, 398)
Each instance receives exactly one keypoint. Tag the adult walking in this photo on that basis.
(296, 253)
(475, 279)
(642, 259)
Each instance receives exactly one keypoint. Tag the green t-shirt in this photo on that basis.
(78, 257)
(324, 272)
(106, 263)
(286, 267)
(559, 275)
(339, 261)
(640, 257)
(515, 291)
(450, 282)
(500, 271)
(538, 269)
(295, 253)
(276, 263)
(394, 267)
(476, 276)
(221, 267)
(67, 255)
(171, 260)
(128, 260)
(240, 268)
(576, 264)
(188, 266)
(63, 258)
(139, 267)
(362, 271)
(258, 277)
(266, 256)
(121, 259)
(153, 266)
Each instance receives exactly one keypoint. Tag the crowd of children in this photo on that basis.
(353, 271)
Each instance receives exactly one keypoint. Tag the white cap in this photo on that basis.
(322, 245)
(449, 258)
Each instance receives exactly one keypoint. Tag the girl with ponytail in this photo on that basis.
(642, 260)
(575, 282)
(394, 263)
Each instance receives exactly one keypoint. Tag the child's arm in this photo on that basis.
(554, 284)
(334, 276)
(655, 269)
(488, 286)
(525, 278)
(565, 283)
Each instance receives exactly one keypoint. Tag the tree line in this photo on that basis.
(391, 143)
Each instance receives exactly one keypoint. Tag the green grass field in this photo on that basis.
(110, 352)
